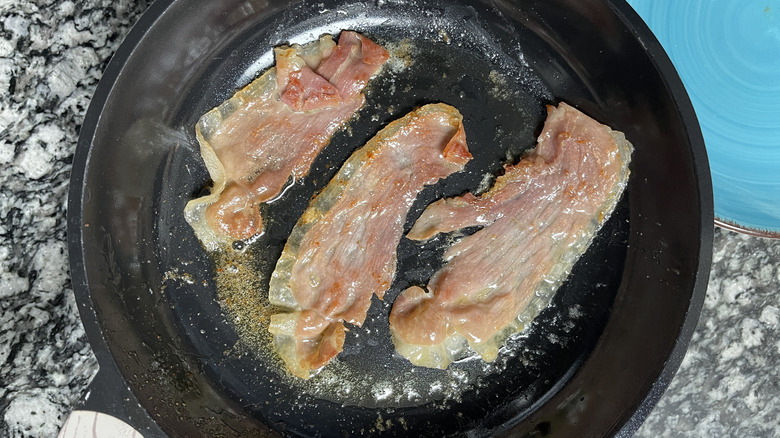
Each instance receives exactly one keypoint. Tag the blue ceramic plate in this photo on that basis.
(727, 53)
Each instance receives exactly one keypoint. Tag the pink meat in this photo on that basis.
(537, 220)
(270, 132)
(343, 249)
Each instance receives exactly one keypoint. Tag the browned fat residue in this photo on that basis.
(401, 54)
(244, 298)
(499, 86)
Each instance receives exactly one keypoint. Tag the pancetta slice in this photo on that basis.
(343, 249)
(538, 219)
(269, 132)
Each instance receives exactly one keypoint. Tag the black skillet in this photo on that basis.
(593, 364)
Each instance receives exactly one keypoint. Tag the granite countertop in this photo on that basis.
(52, 54)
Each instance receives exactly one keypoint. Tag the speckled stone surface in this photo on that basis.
(728, 384)
(51, 56)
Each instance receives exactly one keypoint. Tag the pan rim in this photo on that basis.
(108, 392)
(684, 107)
(630, 19)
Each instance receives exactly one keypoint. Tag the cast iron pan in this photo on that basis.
(592, 364)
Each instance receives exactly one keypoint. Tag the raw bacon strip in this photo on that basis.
(271, 131)
(538, 218)
(342, 250)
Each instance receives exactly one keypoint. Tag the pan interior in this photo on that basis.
(450, 57)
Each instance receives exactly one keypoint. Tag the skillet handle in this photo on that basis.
(110, 406)
(91, 424)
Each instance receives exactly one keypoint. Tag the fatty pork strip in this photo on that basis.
(269, 132)
(538, 219)
(343, 249)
